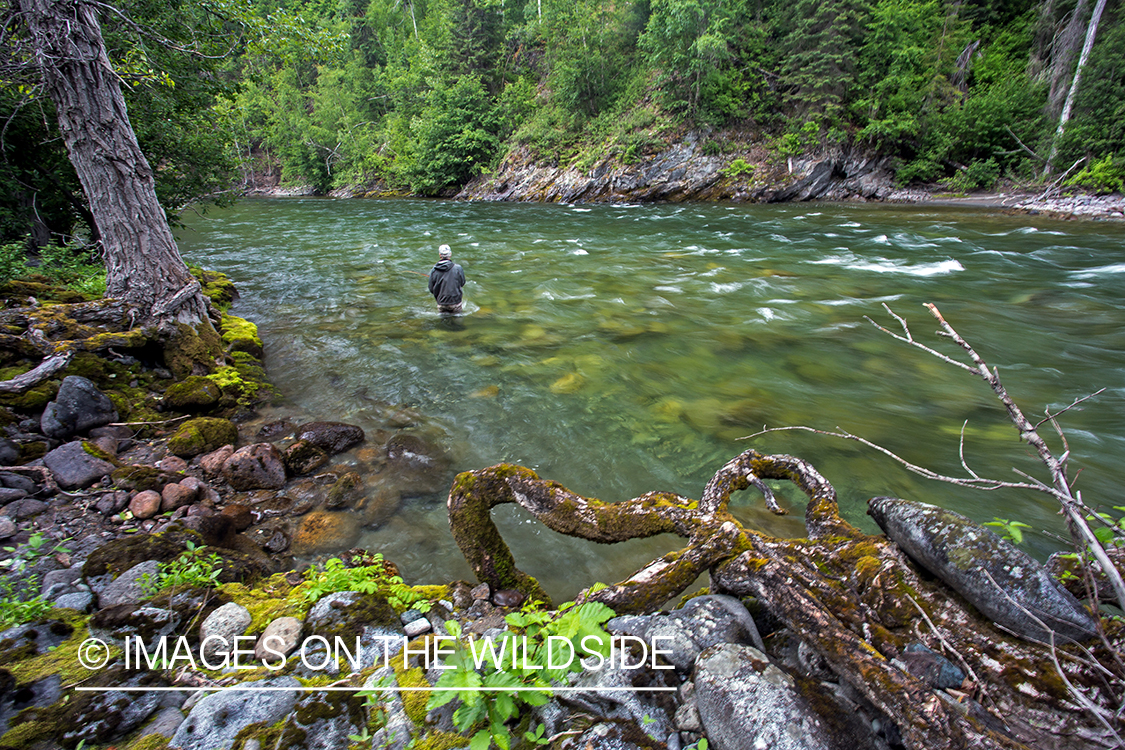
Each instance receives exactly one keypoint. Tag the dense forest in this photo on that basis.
(419, 96)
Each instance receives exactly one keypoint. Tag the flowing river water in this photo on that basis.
(619, 349)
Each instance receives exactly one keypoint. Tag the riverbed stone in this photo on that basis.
(76, 466)
(213, 462)
(280, 637)
(216, 719)
(146, 504)
(78, 407)
(194, 393)
(258, 466)
(1004, 583)
(332, 437)
(304, 457)
(324, 531)
(131, 586)
(747, 703)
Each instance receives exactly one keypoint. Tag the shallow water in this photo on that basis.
(622, 349)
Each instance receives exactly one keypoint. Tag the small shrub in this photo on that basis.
(980, 175)
(738, 168)
(19, 598)
(191, 569)
(1105, 176)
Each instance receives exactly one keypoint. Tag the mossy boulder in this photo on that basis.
(114, 558)
(192, 394)
(192, 350)
(346, 491)
(202, 435)
(240, 335)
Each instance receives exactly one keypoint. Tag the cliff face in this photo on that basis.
(684, 173)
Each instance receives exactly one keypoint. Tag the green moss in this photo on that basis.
(241, 384)
(136, 338)
(149, 742)
(193, 393)
(267, 735)
(97, 452)
(25, 735)
(203, 435)
(439, 740)
(192, 351)
(33, 450)
(240, 335)
(63, 660)
(142, 478)
(32, 399)
(216, 285)
(269, 600)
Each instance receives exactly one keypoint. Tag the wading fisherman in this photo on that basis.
(446, 280)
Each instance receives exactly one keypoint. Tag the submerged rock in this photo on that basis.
(333, 437)
(1006, 584)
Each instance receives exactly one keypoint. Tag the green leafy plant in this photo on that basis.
(1111, 531)
(1010, 530)
(1104, 176)
(980, 175)
(738, 168)
(365, 579)
(492, 686)
(19, 598)
(193, 568)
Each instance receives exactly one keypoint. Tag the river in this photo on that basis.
(619, 349)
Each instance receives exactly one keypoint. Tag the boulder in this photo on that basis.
(746, 703)
(134, 621)
(202, 435)
(333, 437)
(76, 465)
(1006, 584)
(216, 720)
(78, 407)
(131, 586)
(194, 393)
(108, 715)
(253, 467)
(364, 619)
(213, 462)
(323, 721)
(175, 496)
(703, 622)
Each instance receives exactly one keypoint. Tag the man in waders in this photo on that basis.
(446, 280)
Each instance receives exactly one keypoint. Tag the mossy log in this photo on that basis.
(855, 599)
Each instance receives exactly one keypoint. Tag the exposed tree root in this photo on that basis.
(855, 599)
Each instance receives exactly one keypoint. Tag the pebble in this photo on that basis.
(417, 627)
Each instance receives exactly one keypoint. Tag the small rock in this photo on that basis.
(26, 507)
(7, 527)
(416, 628)
(280, 637)
(333, 437)
(480, 592)
(258, 466)
(218, 632)
(304, 457)
(175, 496)
(173, 464)
(7, 495)
(213, 462)
(79, 600)
(145, 504)
(131, 586)
(241, 516)
(217, 718)
(507, 598)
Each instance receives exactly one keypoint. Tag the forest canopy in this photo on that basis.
(420, 96)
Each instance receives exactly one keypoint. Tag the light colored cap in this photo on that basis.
(444, 252)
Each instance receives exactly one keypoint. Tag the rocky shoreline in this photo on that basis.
(684, 172)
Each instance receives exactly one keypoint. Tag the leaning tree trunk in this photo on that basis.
(143, 265)
(1091, 33)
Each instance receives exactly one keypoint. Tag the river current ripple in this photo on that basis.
(620, 349)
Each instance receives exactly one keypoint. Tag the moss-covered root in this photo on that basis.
(475, 493)
(192, 350)
(822, 517)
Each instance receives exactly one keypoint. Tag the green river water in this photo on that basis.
(619, 349)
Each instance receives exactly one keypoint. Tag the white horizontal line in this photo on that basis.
(306, 689)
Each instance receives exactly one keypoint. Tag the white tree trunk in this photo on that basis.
(1091, 32)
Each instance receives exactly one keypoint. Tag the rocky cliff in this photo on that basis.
(683, 172)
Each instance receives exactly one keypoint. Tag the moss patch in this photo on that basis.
(192, 351)
(216, 285)
(193, 393)
(269, 600)
(240, 335)
(203, 435)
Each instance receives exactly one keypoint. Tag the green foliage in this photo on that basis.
(738, 168)
(1010, 530)
(1103, 176)
(19, 591)
(1109, 530)
(458, 136)
(491, 688)
(192, 569)
(366, 579)
(980, 175)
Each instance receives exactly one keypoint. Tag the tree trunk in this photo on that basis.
(143, 265)
(1064, 47)
(1091, 33)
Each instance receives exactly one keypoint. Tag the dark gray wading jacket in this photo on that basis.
(446, 280)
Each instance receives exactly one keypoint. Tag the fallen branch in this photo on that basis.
(44, 371)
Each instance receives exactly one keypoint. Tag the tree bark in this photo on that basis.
(143, 264)
(1091, 33)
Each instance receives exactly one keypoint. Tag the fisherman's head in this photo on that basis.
(444, 252)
